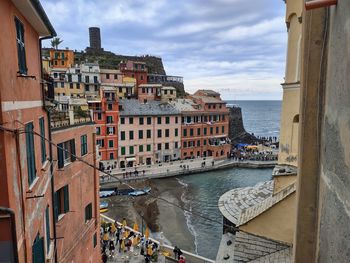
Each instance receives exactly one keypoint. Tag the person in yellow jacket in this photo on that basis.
(150, 250)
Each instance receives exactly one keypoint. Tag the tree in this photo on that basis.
(55, 42)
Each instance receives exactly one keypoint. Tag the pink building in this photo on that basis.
(111, 76)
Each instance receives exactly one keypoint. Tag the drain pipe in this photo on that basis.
(319, 3)
(11, 214)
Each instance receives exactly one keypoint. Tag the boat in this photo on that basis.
(103, 207)
(140, 192)
(106, 193)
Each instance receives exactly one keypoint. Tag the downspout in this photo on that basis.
(13, 230)
(50, 152)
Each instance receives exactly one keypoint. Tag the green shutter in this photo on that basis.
(38, 250)
(66, 198)
(42, 140)
(30, 152)
(47, 222)
(72, 150)
(56, 205)
(60, 155)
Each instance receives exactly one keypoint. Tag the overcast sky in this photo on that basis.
(236, 47)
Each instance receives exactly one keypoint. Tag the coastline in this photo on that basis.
(158, 214)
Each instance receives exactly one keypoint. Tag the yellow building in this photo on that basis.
(288, 154)
(61, 58)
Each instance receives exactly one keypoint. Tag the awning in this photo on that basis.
(131, 159)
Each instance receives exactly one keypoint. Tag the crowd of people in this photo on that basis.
(117, 239)
(244, 154)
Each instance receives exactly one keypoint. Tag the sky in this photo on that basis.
(235, 47)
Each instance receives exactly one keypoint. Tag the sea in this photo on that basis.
(201, 192)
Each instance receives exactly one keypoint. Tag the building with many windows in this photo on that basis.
(148, 133)
(136, 70)
(60, 58)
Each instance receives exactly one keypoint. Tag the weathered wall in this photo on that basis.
(334, 206)
(277, 223)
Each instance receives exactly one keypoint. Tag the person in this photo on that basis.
(179, 253)
(104, 257)
(176, 251)
(111, 248)
(182, 260)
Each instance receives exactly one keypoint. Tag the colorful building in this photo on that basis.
(148, 133)
(76, 186)
(106, 116)
(111, 76)
(134, 69)
(27, 231)
(61, 58)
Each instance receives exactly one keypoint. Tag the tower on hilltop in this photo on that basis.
(95, 39)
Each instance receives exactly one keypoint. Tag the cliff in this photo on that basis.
(237, 133)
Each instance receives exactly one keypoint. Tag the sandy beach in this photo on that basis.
(159, 215)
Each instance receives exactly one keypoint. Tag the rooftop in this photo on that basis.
(111, 71)
(184, 105)
(150, 85)
(134, 107)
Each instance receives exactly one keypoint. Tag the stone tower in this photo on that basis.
(95, 38)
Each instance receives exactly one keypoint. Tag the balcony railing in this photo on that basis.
(65, 119)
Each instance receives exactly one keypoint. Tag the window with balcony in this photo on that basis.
(21, 51)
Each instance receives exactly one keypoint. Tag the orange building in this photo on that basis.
(61, 58)
(27, 231)
(106, 117)
(204, 125)
(134, 69)
(76, 186)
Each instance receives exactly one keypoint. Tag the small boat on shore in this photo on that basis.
(140, 192)
(107, 193)
(103, 207)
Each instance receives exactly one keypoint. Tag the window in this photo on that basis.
(176, 120)
(223, 129)
(141, 77)
(205, 131)
(21, 52)
(148, 147)
(111, 130)
(66, 153)
(87, 79)
(30, 152)
(115, 76)
(198, 131)
(223, 117)
(143, 90)
(55, 75)
(107, 76)
(88, 212)
(62, 84)
(140, 134)
(122, 120)
(211, 130)
(159, 132)
(166, 146)
(198, 143)
(131, 120)
(176, 145)
(79, 77)
(159, 146)
(122, 150)
(204, 142)
(167, 133)
(131, 135)
(110, 106)
(148, 134)
(110, 143)
(71, 85)
(98, 130)
(61, 202)
(176, 132)
(84, 148)
(131, 149)
(109, 119)
(87, 88)
(159, 120)
(149, 120)
(99, 116)
(141, 120)
(191, 132)
(140, 148)
(122, 135)
(100, 142)
(96, 87)
(111, 156)
(167, 120)
(185, 144)
(47, 229)
(42, 139)
(95, 79)
(185, 132)
(217, 129)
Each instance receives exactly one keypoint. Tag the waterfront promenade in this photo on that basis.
(177, 168)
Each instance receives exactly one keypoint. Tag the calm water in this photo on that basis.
(201, 193)
(260, 117)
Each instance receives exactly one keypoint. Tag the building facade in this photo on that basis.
(76, 186)
(61, 58)
(148, 133)
(136, 70)
(26, 224)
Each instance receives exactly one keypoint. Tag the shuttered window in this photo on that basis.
(47, 228)
(30, 152)
(88, 212)
(42, 139)
(83, 148)
(61, 202)
(21, 52)
(66, 153)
